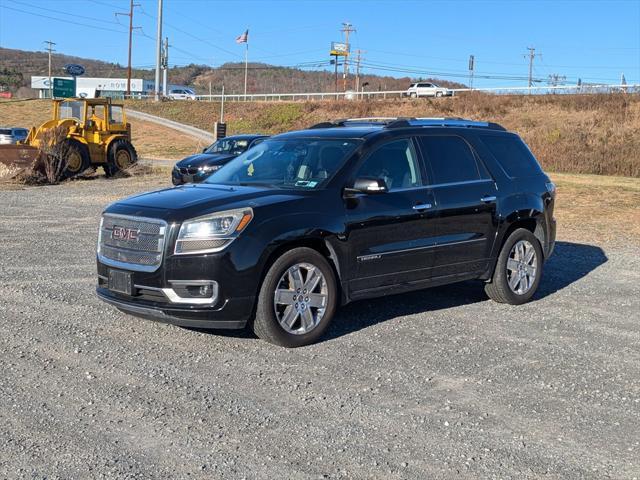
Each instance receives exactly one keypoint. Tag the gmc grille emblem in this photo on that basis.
(123, 233)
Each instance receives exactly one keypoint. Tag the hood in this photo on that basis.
(193, 200)
(202, 159)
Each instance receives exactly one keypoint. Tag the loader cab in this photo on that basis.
(99, 115)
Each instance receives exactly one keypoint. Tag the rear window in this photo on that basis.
(451, 159)
(512, 154)
(5, 131)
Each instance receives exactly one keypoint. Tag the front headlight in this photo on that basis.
(209, 168)
(212, 233)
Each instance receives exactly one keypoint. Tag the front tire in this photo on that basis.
(76, 158)
(518, 270)
(297, 299)
(121, 156)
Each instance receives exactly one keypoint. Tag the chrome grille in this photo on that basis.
(188, 171)
(143, 248)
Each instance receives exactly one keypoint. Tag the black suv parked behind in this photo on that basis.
(195, 168)
(310, 220)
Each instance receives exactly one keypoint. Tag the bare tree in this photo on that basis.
(54, 149)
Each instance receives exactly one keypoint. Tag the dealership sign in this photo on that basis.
(74, 69)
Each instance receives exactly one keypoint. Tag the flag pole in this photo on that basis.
(246, 63)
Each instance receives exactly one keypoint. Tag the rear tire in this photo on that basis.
(76, 158)
(121, 156)
(518, 270)
(297, 299)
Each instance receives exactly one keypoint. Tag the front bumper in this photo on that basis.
(233, 313)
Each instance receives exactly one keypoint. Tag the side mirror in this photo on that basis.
(368, 186)
(204, 150)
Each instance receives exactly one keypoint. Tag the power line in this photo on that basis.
(66, 21)
(93, 19)
(195, 37)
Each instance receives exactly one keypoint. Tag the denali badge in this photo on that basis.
(126, 234)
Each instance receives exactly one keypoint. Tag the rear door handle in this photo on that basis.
(422, 206)
(488, 198)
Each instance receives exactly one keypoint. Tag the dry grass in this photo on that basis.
(597, 134)
(151, 140)
(598, 209)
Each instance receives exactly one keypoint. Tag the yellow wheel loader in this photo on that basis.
(90, 132)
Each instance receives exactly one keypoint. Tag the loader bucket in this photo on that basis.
(15, 159)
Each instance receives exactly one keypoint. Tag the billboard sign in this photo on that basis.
(339, 49)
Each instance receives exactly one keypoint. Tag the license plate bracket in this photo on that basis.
(120, 282)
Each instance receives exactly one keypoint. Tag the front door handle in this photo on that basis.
(488, 198)
(422, 206)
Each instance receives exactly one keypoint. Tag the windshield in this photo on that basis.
(71, 109)
(303, 163)
(228, 145)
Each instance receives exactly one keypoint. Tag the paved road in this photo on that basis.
(180, 127)
(434, 384)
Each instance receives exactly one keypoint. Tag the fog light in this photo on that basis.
(192, 291)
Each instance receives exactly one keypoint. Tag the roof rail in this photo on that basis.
(343, 122)
(404, 122)
(443, 122)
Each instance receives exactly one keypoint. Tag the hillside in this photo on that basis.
(597, 134)
(17, 67)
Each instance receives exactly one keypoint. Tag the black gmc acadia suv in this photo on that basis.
(309, 220)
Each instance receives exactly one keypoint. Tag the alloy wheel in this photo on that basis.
(300, 298)
(521, 267)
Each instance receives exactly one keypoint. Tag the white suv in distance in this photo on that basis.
(182, 94)
(426, 89)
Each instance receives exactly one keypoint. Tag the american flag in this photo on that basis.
(244, 38)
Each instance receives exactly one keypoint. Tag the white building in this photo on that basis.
(92, 87)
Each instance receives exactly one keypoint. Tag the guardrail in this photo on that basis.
(352, 95)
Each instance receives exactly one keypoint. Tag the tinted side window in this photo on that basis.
(396, 163)
(451, 159)
(513, 155)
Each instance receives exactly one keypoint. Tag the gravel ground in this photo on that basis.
(440, 383)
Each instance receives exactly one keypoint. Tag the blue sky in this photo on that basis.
(592, 40)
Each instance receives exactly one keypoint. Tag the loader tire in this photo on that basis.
(121, 156)
(76, 158)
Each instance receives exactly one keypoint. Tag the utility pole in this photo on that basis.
(532, 55)
(165, 66)
(555, 80)
(158, 52)
(358, 60)
(50, 49)
(347, 28)
(335, 63)
(130, 15)
(472, 67)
